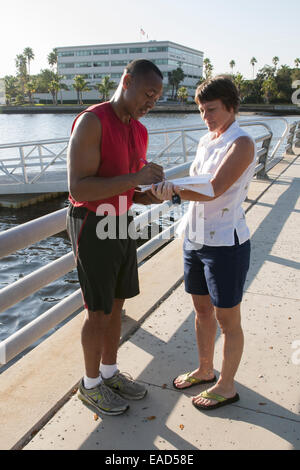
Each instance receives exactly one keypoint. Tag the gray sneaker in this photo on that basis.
(102, 399)
(124, 385)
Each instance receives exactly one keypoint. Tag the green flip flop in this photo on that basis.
(222, 401)
(193, 381)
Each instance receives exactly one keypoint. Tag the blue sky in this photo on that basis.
(223, 30)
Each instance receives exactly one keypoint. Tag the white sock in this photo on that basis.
(108, 371)
(89, 382)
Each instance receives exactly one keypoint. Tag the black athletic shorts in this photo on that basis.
(107, 267)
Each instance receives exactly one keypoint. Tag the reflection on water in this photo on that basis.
(15, 128)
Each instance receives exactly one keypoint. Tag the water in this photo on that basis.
(24, 127)
(18, 128)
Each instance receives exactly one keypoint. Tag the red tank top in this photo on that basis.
(122, 146)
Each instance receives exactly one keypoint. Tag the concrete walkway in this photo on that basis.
(268, 414)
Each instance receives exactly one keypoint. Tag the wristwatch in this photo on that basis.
(176, 199)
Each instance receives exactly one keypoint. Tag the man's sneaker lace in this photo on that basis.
(124, 385)
(102, 399)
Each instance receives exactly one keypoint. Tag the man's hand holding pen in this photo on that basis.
(150, 173)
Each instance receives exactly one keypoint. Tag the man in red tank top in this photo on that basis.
(105, 166)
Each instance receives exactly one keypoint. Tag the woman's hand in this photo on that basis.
(163, 191)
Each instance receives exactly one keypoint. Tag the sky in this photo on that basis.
(224, 30)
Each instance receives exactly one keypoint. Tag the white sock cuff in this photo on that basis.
(90, 382)
(107, 371)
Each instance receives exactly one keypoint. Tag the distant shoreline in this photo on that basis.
(279, 110)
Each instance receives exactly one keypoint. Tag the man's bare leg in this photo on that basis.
(100, 338)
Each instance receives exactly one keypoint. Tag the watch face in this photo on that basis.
(176, 199)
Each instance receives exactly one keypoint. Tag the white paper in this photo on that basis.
(200, 184)
(188, 180)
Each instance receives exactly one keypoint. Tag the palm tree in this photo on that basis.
(178, 78)
(253, 61)
(30, 88)
(238, 80)
(52, 58)
(182, 94)
(11, 88)
(62, 86)
(43, 80)
(269, 89)
(53, 87)
(275, 61)
(171, 82)
(232, 65)
(28, 53)
(105, 87)
(21, 64)
(201, 80)
(208, 68)
(297, 62)
(175, 77)
(80, 85)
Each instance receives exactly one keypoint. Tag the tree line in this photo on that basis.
(271, 84)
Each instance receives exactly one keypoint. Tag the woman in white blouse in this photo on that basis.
(217, 245)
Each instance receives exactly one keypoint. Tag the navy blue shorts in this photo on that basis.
(218, 271)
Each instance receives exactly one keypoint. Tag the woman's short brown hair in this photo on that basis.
(219, 88)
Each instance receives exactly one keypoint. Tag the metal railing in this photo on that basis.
(31, 232)
(41, 166)
(293, 139)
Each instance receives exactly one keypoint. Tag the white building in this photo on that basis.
(96, 61)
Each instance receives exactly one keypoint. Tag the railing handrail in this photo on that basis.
(30, 143)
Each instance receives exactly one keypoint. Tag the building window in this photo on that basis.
(66, 66)
(65, 54)
(86, 75)
(159, 61)
(174, 62)
(137, 50)
(101, 51)
(116, 75)
(83, 64)
(80, 53)
(157, 49)
(120, 63)
(101, 64)
(119, 51)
